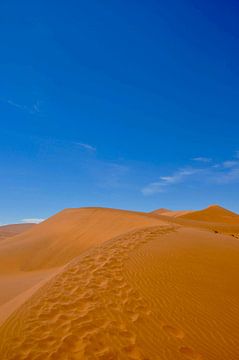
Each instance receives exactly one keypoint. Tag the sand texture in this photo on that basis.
(7, 231)
(65, 235)
(162, 291)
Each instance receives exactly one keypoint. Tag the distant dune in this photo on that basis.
(161, 211)
(67, 234)
(214, 218)
(108, 284)
(7, 231)
(171, 213)
(213, 213)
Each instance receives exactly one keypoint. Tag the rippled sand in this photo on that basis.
(163, 291)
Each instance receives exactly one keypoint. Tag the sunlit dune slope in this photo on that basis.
(67, 234)
(157, 293)
(212, 214)
(7, 231)
(227, 227)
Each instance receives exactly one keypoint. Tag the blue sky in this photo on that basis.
(126, 104)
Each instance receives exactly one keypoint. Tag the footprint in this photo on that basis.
(176, 332)
(190, 353)
(132, 352)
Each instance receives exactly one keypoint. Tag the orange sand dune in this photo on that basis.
(62, 237)
(13, 229)
(17, 288)
(29, 258)
(158, 293)
(213, 213)
(160, 211)
(170, 213)
(214, 218)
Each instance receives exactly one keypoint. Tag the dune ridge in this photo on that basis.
(115, 285)
(213, 213)
(27, 259)
(214, 218)
(65, 235)
(170, 213)
(87, 320)
(143, 295)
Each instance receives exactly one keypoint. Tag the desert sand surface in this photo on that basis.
(145, 289)
(19, 287)
(7, 231)
(31, 257)
(14, 283)
(214, 218)
(67, 234)
(171, 213)
(213, 214)
(154, 293)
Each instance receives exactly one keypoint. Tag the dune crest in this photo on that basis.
(213, 213)
(154, 293)
(67, 234)
(171, 213)
(116, 285)
(161, 211)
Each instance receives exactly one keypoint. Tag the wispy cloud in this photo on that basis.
(230, 164)
(32, 221)
(202, 159)
(178, 176)
(231, 176)
(225, 172)
(164, 181)
(85, 146)
(34, 109)
(153, 188)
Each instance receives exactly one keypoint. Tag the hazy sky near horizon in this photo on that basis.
(125, 104)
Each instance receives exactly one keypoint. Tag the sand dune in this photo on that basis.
(214, 218)
(62, 237)
(161, 211)
(213, 213)
(108, 284)
(171, 213)
(18, 288)
(28, 258)
(157, 293)
(7, 231)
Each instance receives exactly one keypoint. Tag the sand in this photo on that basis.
(19, 287)
(30, 257)
(161, 291)
(7, 231)
(214, 218)
(171, 213)
(213, 213)
(65, 235)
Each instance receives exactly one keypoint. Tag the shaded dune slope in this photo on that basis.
(67, 234)
(7, 231)
(157, 293)
(171, 213)
(160, 211)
